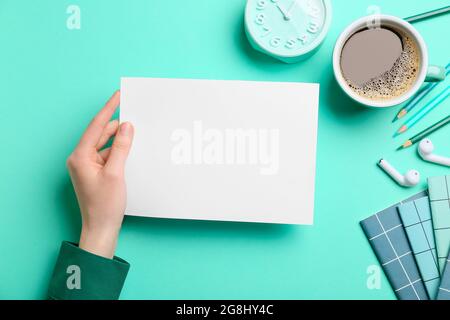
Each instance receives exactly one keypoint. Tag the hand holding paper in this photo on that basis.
(98, 178)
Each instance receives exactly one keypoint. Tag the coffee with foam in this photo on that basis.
(380, 64)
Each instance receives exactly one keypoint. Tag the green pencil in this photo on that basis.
(424, 111)
(428, 14)
(425, 133)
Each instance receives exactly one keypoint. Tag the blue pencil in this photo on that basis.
(422, 94)
(425, 110)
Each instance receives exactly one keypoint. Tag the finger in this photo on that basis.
(104, 154)
(120, 149)
(94, 131)
(110, 130)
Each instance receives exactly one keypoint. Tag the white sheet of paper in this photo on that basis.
(221, 150)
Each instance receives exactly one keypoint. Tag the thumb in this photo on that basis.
(120, 148)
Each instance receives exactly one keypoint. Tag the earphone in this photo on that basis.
(409, 179)
(425, 150)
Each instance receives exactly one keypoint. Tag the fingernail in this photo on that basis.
(125, 129)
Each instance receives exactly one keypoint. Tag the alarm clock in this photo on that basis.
(289, 30)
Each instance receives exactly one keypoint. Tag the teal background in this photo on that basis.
(53, 80)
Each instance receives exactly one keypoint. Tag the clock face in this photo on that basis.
(287, 28)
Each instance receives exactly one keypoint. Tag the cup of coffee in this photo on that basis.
(382, 64)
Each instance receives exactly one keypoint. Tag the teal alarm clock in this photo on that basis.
(289, 30)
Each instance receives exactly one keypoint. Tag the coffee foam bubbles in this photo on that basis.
(396, 81)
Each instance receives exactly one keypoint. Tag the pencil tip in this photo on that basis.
(406, 144)
(399, 115)
(401, 130)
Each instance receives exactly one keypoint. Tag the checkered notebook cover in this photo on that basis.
(416, 219)
(390, 244)
(444, 288)
(438, 188)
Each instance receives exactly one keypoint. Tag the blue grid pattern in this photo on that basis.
(439, 189)
(386, 234)
(416, 218)
(444, 288)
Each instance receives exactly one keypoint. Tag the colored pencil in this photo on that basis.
(414, 101)
(424, 111)
(424, 133)
(428, 14)
(420, 95)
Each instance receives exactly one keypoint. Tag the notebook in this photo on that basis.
(416, 219)
(438, 188)
(221, 150)
(444, 288)
(388, 239)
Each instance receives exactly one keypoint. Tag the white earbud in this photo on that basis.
(425, 150)
(411, 178)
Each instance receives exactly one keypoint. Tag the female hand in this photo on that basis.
(98, 179)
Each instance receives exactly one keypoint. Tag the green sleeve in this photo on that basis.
(81, 275)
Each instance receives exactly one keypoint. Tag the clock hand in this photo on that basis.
(297, 31)
(291, 7)
(285, 15)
